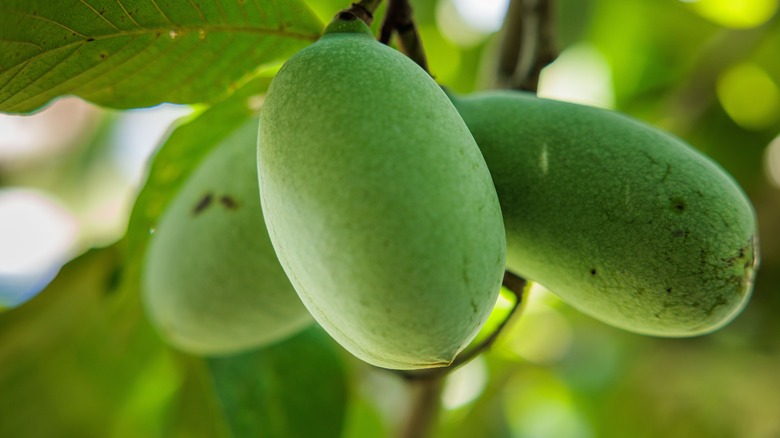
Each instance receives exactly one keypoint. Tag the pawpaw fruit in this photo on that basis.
(623, 221)
(378, 201)
(212, 284)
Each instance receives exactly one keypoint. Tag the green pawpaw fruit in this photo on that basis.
(626, 223)
(212, 283)
(378, 201)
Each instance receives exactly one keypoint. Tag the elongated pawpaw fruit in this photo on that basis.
(625, 222)
(212, 283)
(378, 201)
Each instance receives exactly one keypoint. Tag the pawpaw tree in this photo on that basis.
(401, 218)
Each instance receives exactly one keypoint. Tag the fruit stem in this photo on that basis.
(527, 45)
(399, 19)
(426, 385)
(424, 410)
(513, 283)
(364, 10)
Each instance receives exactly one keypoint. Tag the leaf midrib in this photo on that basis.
(159, 31)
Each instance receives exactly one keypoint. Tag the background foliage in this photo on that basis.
(80, 359)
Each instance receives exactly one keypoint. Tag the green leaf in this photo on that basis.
(187, 145)
(293, 389)
(132, 53)
(79, 360)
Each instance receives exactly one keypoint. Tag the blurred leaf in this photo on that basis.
(293, 389)
(485, 417)
(196, 412)
(127, 54)
(189, 143)
(363, 420)
(486, 420)
(695, 388)
(79, 361)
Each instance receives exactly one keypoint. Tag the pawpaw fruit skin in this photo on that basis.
(212, 284)
(378, 202)
(623, 221)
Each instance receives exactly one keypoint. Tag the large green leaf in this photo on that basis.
(82, 350)
(79, 360)
(289, 390)
(187, 145)
(133, 53)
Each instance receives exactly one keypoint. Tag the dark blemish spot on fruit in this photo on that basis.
(103, 56)
(667, 172)
(720, 301)
(228, 202)
(668, 290)
(89, 40)
(678, 205)
(658, 315)
(204, 202)
(593, 271)
(112, 281)
(473, 306)
(733, 260)
(347, 16)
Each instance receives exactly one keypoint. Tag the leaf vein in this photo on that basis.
(221, 10)
(182, 30)
(243, 13)
(162, 13)
(156, 78)
(83, 2)
(146, 66)
(49, 20)
(46, 73)
(22, 42)
(259, 9)
(2, 87)
(35, 96)
(128, 13)
(197, 8)
(196, 71)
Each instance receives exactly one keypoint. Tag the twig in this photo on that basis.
(426, 385)
(424, 411)
(399, 19)
(514, 284)
(527, 45)
(364, 10)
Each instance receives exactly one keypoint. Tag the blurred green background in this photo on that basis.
(79, 359)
